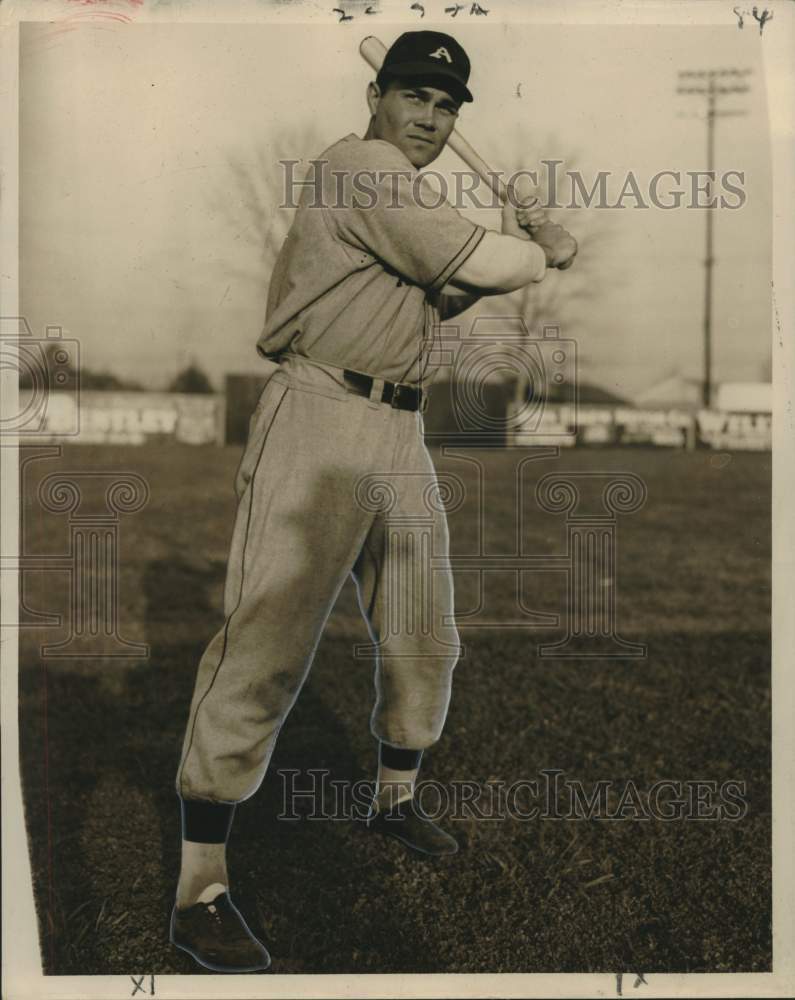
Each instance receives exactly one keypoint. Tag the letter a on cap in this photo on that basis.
(441, 53)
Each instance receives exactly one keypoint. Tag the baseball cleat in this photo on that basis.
(408, 823)
(217, 936)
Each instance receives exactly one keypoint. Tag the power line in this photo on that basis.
(712, 84)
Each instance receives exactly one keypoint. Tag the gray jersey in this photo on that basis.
(357, 279)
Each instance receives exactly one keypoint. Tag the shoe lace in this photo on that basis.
(230, 931)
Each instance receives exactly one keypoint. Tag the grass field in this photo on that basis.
(100, 743)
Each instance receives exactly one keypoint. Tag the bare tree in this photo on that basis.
(254, 201)
(564, 298)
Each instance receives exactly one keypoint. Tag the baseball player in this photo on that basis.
(335, 464)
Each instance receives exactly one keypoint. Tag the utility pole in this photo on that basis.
(712, 84)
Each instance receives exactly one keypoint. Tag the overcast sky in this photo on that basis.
(138, 235)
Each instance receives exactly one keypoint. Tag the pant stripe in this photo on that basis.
(228, 621)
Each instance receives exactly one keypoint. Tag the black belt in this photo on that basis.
(402, 397)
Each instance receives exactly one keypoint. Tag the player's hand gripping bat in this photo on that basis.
(373, 51)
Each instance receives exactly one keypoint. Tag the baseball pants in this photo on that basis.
(329, 484)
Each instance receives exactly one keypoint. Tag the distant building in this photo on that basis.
(679, 392)
(745, 397)
(674, 392)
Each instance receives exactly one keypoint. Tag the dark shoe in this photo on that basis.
(216, 935)
(408, 823)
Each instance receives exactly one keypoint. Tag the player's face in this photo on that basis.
(417, 119)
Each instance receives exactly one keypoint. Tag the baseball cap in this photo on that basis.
(429, 55)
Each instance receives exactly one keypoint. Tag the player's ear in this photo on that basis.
(373, 96)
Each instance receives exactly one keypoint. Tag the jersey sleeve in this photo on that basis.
(394, 214)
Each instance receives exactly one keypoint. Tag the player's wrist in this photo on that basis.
(510, 223)
(558, 245)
